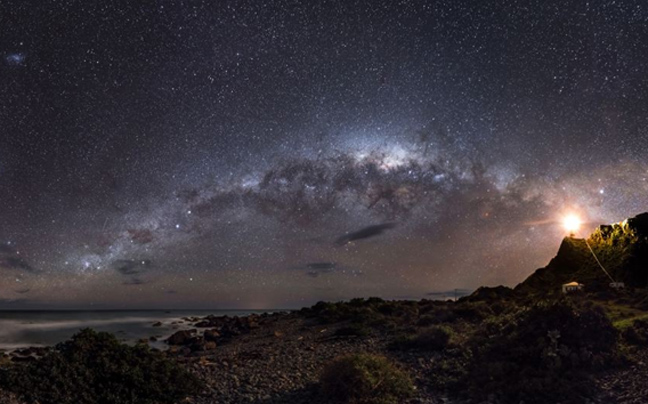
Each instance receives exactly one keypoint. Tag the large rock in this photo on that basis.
(211, 335)
(182, 337)
(228, 327)
(199, 344)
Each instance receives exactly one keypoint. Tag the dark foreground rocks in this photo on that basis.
(628, 385)
(280, 360)
(214, 332)
(182, 337)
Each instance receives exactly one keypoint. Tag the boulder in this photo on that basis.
(181, 337)
(199, 344)
(211, 335)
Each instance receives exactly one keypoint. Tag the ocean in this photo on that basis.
(20, 329)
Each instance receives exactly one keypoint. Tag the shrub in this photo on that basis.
(375, 300)
(426, 320)
(95, 368)
(545, 353)
(366, 311)
(353, 330)
(430, 339)
(439, 315)
(433, 339)
(472, 312)
(365, 379)
(637, 333)
(362, 315)
(383, 324)
(450, 370)
(357, 310)
(387, 309)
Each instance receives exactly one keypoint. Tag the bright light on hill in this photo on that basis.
(571, 223)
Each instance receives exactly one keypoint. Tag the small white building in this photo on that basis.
(572, 287)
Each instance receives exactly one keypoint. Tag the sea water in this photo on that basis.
(46, 328)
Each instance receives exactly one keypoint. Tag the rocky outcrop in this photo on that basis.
(228, 327)
(222, 329)
(192, 341)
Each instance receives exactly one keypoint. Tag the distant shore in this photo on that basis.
(41, 328)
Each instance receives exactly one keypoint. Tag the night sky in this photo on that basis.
(270, 154)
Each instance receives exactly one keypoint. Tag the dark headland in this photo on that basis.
(535, 343)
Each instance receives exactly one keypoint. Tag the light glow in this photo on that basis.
(571, 223)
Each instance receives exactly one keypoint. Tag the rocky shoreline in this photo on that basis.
(278, 358)
(268, 358)
(275, 358)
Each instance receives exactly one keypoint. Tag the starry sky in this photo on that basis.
(270, 154)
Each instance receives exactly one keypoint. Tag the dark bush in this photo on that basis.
(353, 330)
(430, 339)
(362, 315)
(383, 324)
(433, 339)
(386, 309)
(375, 300)
(95, 368)
(365, 379)
(366, 311)
(357, 310)
(637, 334)
(472, 312)
(446, 315)
(546, 353)
(357, 302)
(426, 320)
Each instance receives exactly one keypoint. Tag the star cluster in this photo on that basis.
(272, 154)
